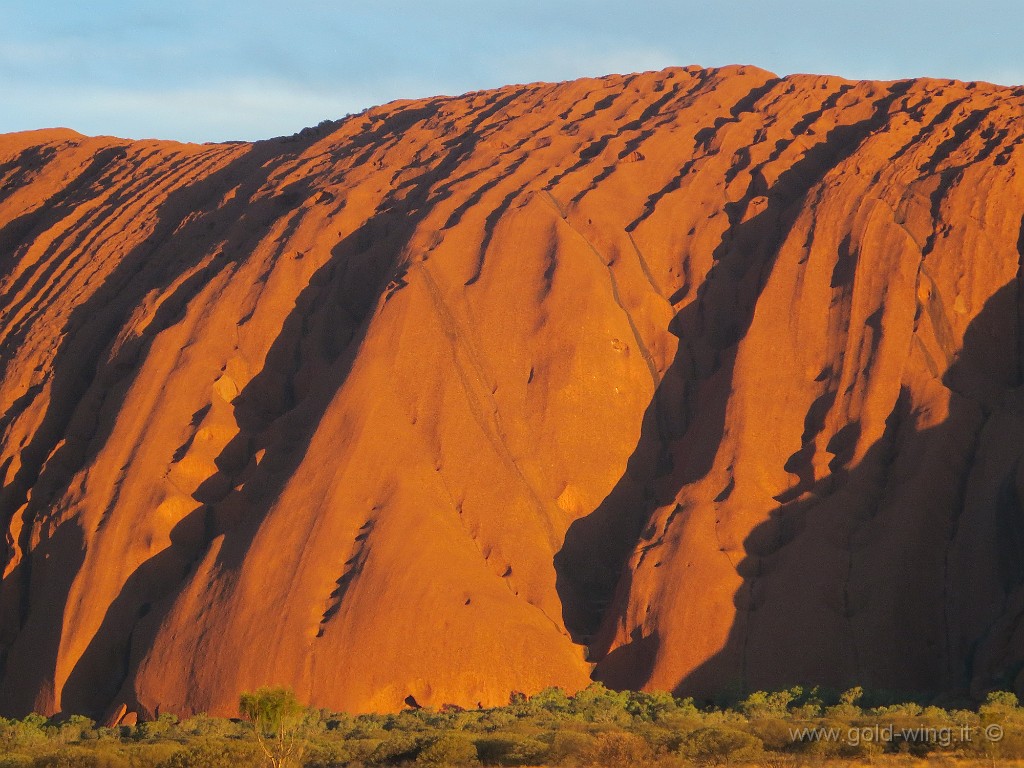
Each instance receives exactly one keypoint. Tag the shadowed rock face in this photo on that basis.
(682, 380)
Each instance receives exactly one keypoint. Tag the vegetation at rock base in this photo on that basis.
(277, 720)
(596, 728)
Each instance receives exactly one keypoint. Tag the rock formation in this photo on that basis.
(682, 380)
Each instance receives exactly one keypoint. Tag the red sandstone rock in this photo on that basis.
(702, 377)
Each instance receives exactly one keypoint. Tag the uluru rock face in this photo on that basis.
(685, 380)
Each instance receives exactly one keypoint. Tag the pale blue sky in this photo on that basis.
(204, 70)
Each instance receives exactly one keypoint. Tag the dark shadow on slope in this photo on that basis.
(682, 428)
(920, 655)
(102, 668)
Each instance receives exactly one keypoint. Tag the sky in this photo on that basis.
(214, 70)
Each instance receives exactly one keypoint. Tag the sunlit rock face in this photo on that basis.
(685, 380)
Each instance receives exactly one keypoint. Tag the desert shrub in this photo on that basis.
(776, 734)
(1009, 747)
(153, 754)
(1000, 711)
(597, 704)
(511, 749)
(396, 749)
(683, 722)
(449, 750)
(215, 753)
(339, 721)
(80, 757)
(77, 728)
(904, 709)
(497, 719)
(999, 701)
(154, 729)
(807, 710)
(278, 722)
(318, 721)
(862, 748)
(662, 739)
(426, 719)
(938, 715)
(551, 700)
(204, 725)
(402, 721)
(328, 754)
(653, 707)
(366, 728)
(106, 734)
(717, 744)
(844, 712)
(726, 717)
(569, 746)
(16, 735)
(851, 696)
(821, 747)
(618, 749)
(361, 749)
(764, 704)
(470, 719)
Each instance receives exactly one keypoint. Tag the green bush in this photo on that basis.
(153, 754)
(999, 701)
(655, 706)
(153, 729)
(717, 744)
(551, 700)
(569, 746)
(618, 749)
(396, 749)
(361, 749)
(511, 749)
(662, 738)
(204, 725)
(16, 735)
(764, 704)
(597, 704)
(215, 754)
(80, 757)
(77, 728)
(498, 720)
(776, 734)
(448, 750)
(821, 748)
(328, 754)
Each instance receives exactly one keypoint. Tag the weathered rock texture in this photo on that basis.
(681, 380)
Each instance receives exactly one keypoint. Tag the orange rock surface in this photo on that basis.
(683, 380)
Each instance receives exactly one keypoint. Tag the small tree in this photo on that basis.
(276, 717)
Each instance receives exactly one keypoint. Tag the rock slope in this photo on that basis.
(684, 380)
